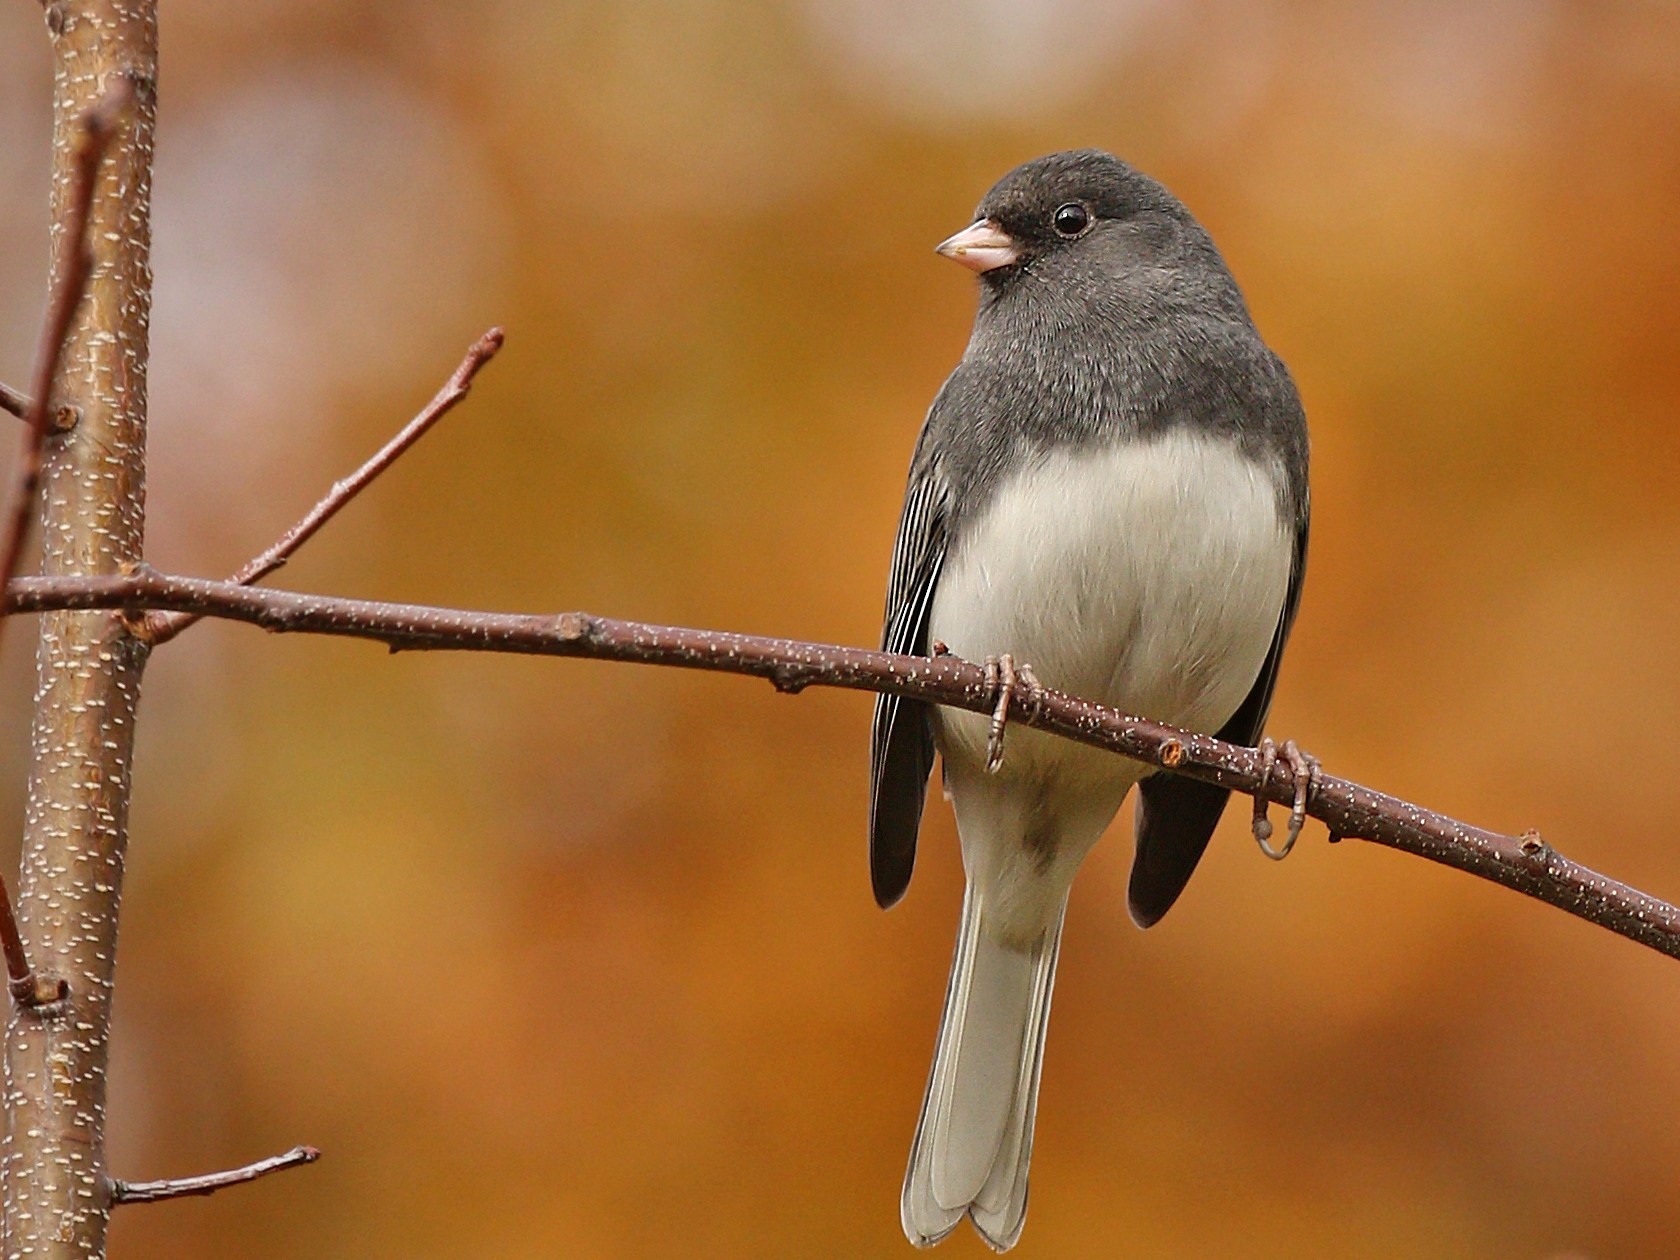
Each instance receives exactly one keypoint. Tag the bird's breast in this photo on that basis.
(1148, 575)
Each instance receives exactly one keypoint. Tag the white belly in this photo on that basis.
(1149, 577)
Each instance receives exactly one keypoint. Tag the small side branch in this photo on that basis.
(11, 400)
(1526, 863)
(181, 1187)
(26, 987)
(162, 627)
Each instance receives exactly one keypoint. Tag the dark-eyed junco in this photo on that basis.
(1111, 488)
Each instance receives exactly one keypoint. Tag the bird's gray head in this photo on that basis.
(1081, 230)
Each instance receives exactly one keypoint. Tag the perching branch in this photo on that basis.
(1524, 863)
(181, 1187)
(162, 627)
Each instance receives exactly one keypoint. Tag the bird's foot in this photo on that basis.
(1304, 768)
(1004, 679)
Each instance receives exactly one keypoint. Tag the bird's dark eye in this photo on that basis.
(1071, 219)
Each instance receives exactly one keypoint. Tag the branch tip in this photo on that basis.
(164, 626)
(209, 1183)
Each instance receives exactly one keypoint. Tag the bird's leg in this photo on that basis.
(1262, 824)
(1307, 771)
(1304, 768)
(1005, 679)
(1000, 682)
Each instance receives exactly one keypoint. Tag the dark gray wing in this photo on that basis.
(901, 747)
(1176, 816)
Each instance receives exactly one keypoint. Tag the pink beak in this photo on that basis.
(981, 246)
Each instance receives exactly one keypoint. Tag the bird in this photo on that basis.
(1108, 497)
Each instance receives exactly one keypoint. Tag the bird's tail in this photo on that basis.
(975, 1136)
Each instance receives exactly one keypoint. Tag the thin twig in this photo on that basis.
(1524, 863)
(13, 401)
(181, 1187)
(70, 283)
(162, 627)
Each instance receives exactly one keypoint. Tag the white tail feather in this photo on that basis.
(974, 1140)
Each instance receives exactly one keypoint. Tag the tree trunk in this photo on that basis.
(56, 1189)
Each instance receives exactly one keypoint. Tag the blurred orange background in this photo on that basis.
(559, 958)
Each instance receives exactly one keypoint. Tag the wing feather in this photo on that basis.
(901, 747)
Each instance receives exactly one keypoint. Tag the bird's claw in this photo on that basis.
(1004, 679)
(1304, 769)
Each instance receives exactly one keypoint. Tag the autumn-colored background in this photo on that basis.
(559, 958)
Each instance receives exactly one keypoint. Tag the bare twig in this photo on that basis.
(70, 280)
(181, 1187)
(64, 416)
(162, 627)
(1524, 863)
(11, 400)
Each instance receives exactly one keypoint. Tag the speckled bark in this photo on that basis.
(88, 679)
